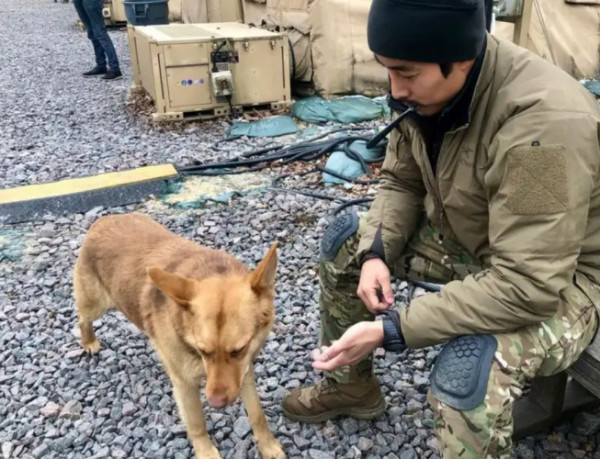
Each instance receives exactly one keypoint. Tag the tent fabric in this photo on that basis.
(328, 37)
(342, 60)
(565, 33)
(198, 11)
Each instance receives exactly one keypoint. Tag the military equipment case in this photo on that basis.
(173, 64)
(114, 12)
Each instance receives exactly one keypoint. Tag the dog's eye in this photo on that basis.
(238, 352)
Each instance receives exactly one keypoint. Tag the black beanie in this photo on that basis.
(427, 30)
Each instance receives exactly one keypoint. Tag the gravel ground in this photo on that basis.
(56, 402)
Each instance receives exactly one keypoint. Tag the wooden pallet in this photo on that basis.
(219, 111)
(107, 22)
(552, 399)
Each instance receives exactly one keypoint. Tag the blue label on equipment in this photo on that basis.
(192, 82)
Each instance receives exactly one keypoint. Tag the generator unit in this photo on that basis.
(114, 12)
(196, 71)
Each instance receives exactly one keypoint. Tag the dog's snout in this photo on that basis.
(217, 401)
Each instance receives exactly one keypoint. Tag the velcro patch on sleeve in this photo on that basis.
(536, 180)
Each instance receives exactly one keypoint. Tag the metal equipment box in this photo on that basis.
(196, 71)
(114, 12)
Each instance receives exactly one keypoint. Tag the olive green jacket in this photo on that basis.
(517, 187)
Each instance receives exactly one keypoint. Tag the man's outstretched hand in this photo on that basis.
(356, 343)
(375, 286)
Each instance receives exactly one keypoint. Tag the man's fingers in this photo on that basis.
(337, 361)
(388, 294)
(372, 301)
(326, 353)
(316, 354)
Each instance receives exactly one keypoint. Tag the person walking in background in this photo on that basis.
(90, 13)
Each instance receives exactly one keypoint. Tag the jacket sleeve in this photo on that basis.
(542, 172)
(398, 206)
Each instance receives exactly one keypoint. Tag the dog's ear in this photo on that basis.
(263, 277)
(179, 289)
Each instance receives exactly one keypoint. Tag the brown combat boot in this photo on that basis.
(329, 399)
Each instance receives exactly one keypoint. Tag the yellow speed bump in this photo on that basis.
(87, 184)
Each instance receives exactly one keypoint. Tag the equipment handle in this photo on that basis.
(140, 16)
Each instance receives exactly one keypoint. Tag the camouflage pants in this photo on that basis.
(539, 350)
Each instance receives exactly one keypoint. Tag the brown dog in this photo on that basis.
(203, 310)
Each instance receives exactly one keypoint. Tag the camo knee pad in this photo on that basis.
(336, 234)
(461, 373)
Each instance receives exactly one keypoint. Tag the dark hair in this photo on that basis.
(446, 68)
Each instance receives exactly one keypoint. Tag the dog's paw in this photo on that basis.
(206, 450)
(93, 347)
(272, 450)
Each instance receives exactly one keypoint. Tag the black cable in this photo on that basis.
(230, 106)
(386, 130)
(345, 202)
(214, 173)
(307, 150)
(353, 202)
(292, 174)
(293, 77)
(302, 151)
(428, 286)
(326, 147)
(213, 54)
(265, 149)
(307, 193)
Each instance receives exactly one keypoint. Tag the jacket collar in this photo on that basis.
(486, 73)
(457, 112)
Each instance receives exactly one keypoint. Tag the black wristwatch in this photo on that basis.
(393, 340)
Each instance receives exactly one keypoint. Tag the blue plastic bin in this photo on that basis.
(147, 12)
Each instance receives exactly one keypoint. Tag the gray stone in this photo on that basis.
(365, 444)
(75, 354)
(413, 405)
(129, 409)
(51, 410)
(103, 453)
(432, 443)
(7, 449)
(586, 424)
(71, 410)
(241, 427)
(301, 442)
(318, 454)
(408, 453)
(40, 451)
(349, 425)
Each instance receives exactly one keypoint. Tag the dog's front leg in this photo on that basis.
(188, 401)
(268, 445)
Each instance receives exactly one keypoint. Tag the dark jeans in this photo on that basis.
(90, 13)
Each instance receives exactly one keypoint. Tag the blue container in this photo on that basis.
(147, 12)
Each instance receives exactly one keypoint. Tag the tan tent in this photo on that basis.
(194, 11)
(566, 33)
(330, 47)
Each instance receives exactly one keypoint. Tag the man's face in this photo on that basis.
(423, 84)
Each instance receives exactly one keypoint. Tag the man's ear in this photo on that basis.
(179, 289)
(263, 277)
